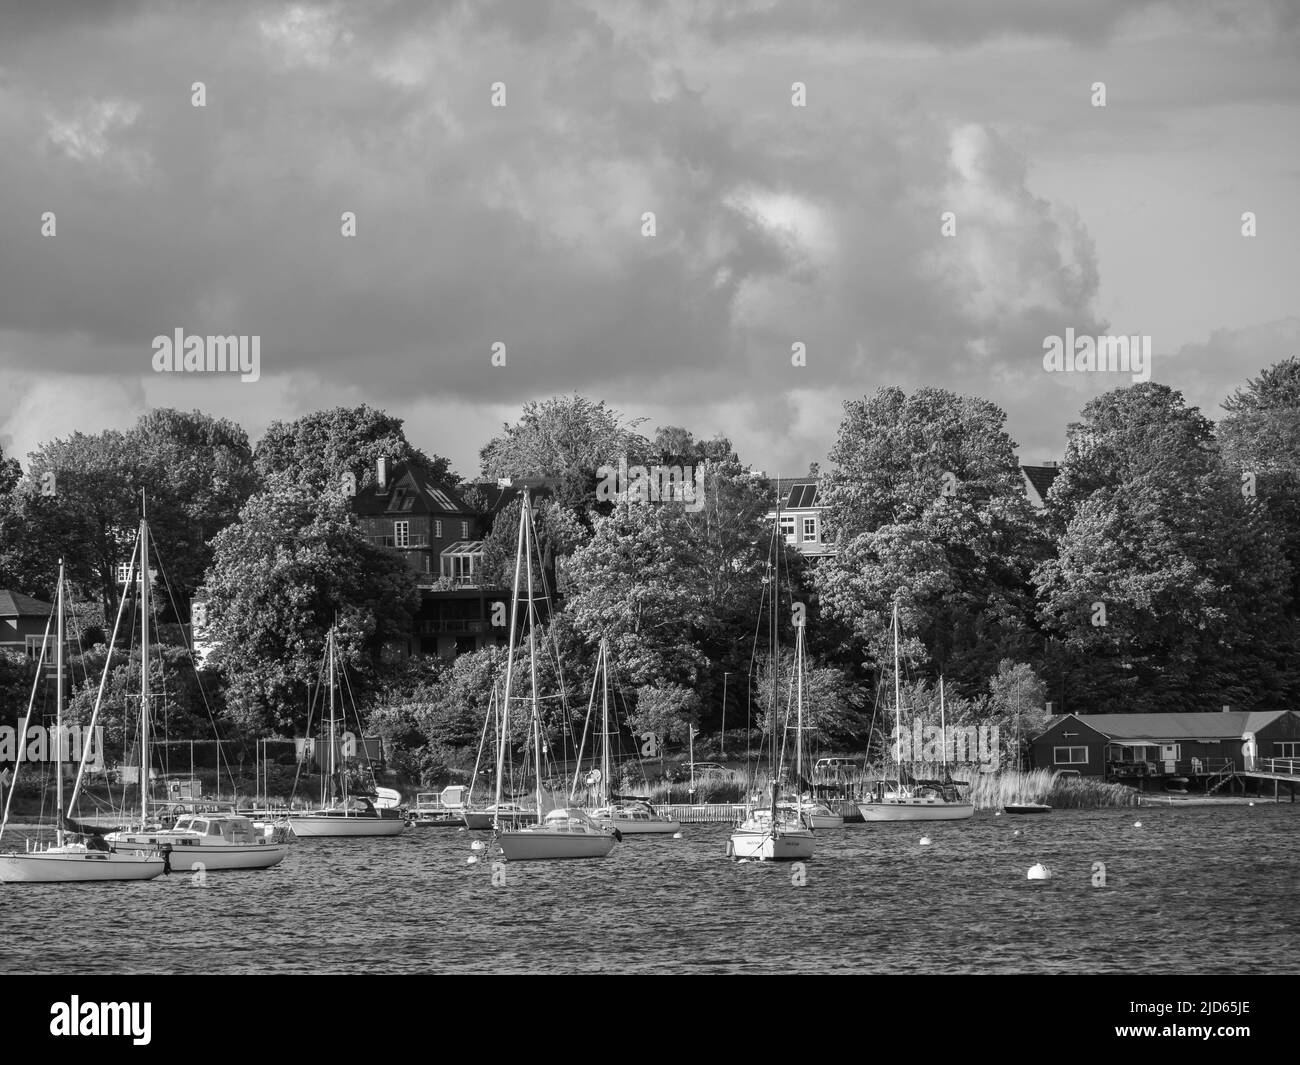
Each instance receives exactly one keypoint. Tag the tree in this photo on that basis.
(566, 438)
(10, 473)
(190, 472)
(292, 566)
(1260, 438)
(925, 502)
(318, 448)
(1167, 589)
(667, 711)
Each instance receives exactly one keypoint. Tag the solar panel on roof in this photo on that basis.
(441, 499)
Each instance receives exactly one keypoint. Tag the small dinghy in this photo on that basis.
(1027, 808)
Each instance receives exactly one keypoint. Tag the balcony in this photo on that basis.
(414, 540)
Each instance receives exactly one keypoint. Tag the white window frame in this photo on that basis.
(464, 530)
(401, 534)
(1069, 759)
(810, 529)
(1286, 748)
(437, 528)
(787, 528)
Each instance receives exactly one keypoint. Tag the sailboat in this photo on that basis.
(342, 814)
(913, 800)
(780, 833)
(565, 832)
(221, 839)
(484, 819)
(629, 816)
(70, 858)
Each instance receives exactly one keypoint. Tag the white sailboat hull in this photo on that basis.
(185, 853)
(787, 845)
(542, 844)
(313, 826)
(76, 864)
(915, 810)
(824, 821)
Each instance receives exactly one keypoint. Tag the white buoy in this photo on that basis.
(1039, 872)
(1250, 804)
(477, 845)
(1016, 832)
(925, 841)
(471, 860)
(461, 829)
(998, 813)
(677, 835)
(1137, 824)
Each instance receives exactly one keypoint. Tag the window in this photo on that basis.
(1070, 755)
(437, 528)
(810, 529)
(1286, 749)
(403, 498)
(401, 534)
(464, 530)
(787, 527)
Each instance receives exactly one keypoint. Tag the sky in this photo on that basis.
(784, 214)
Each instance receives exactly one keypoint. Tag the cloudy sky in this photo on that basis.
(522, 224)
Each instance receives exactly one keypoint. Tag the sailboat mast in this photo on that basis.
(943, 729)
(898, 699)
(144, 668)
(503, 733)
(532, 657)
(58, 705)
(333, 726)
(604, 696)
(798, 728)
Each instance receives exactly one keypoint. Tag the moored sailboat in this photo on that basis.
(629, 816)
(907, 799)
(780, 832)
(563, 832)
(342, 814)
(70, 858)
(209, 842)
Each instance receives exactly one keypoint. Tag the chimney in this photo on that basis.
(381, 471)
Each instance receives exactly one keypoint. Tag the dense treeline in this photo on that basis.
(1164, 573)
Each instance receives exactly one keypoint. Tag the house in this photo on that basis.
(22, 623)
(1133, 747)
(440, 536)
(1038, 481)
(801, 516)
(424, 521)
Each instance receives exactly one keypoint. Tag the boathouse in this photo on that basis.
(1197, 746)
(22, 622)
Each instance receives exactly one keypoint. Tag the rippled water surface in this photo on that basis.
(1194, 890)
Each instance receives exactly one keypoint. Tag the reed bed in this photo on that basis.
(991, 791)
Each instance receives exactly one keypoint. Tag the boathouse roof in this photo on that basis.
(17, 605)
(1229, 725)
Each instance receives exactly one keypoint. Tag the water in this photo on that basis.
(1194, 890)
